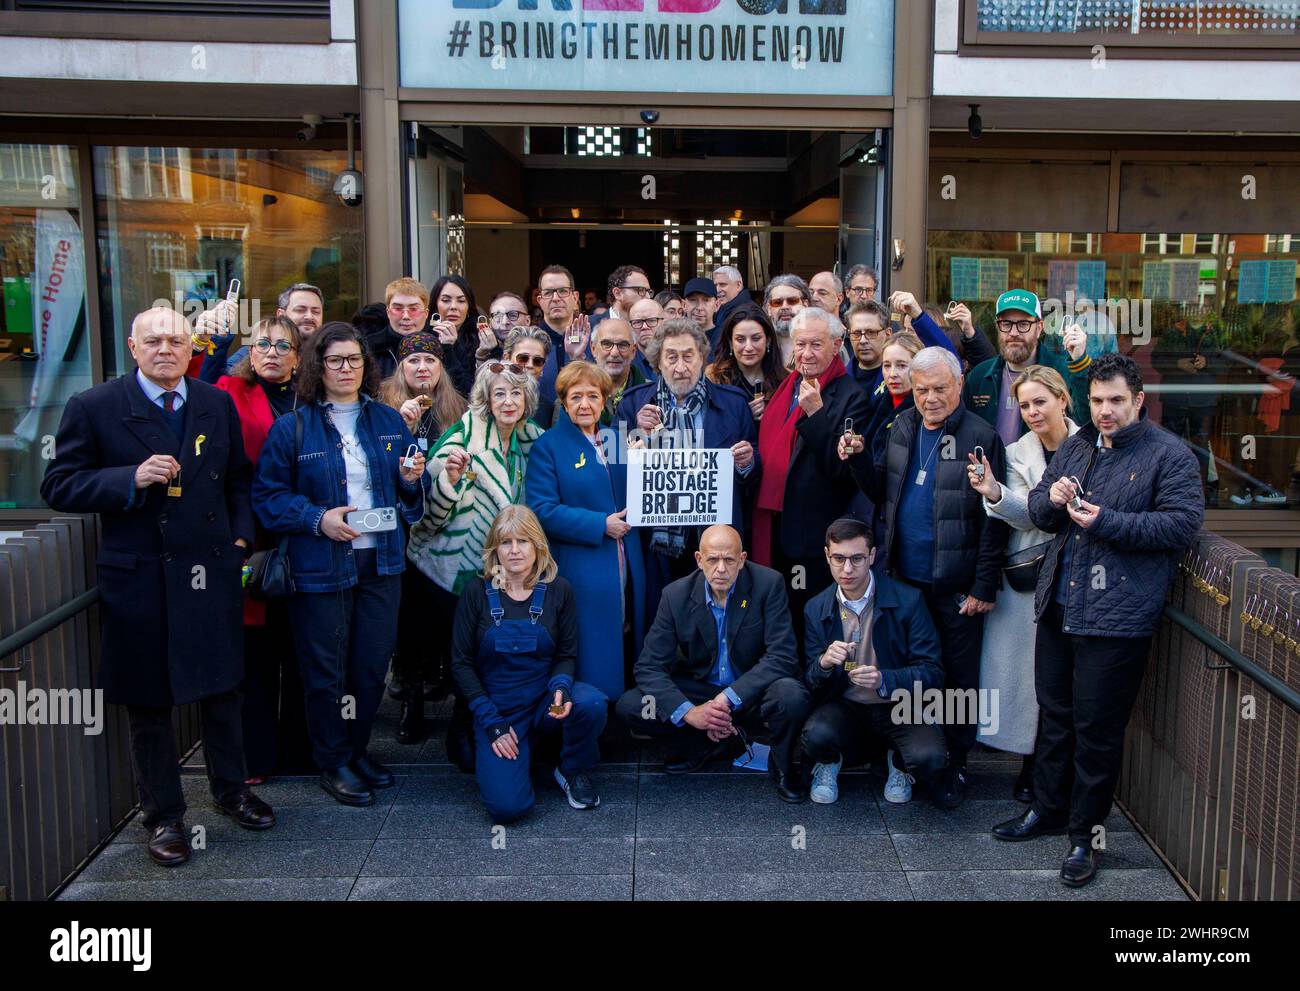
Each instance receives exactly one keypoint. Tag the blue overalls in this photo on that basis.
(514, 662)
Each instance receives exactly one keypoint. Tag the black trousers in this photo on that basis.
(275, 725)
(1086, 688)
(781, 711)
(853, 731)
(157, 763)
(424, 623)
(804, 578)
(961, 640)
(344, 640)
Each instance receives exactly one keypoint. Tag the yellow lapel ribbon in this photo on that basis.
(198, 443)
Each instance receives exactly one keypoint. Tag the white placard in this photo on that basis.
(676, 487)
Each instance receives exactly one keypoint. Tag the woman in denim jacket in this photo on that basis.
(341, 451)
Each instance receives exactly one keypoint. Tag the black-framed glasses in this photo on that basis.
(648, 323)
(564, 292)
(857, 335)
(1021, 327)
(335, 362)
(281, 347)
(840, 560)
(642, 291)
(622, 347)
(861, 290)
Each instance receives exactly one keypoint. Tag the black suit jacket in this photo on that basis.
(819, 486)
(683, 642)
(171, 599)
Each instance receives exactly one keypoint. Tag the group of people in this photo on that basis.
(443, 491)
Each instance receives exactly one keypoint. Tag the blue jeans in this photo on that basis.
(507, 785)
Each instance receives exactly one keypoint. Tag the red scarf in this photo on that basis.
(776, 437)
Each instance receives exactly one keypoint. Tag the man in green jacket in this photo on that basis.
(1019, 318)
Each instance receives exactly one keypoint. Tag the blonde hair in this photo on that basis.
(576, 372)
(406, 287)
(517, 520)
(906, 340)
(480, 395)
(1049, 378)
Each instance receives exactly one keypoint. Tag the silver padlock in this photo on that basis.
(1076, 502)
(979, 463)
(409, 460)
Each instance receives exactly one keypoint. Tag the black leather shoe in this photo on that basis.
(410, 721)
(1027, 827)
(1023, 789)
(696, 759)
(950, 788)
(346, 786)
(1080, 866)
(249, 811)
(374, 773)
(790, 786)
(169, 846)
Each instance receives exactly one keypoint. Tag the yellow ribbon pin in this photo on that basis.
(582, 460)
(744, 603)
(390, 445)
(198, 443)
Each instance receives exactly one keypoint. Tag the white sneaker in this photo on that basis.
(898, 788)
(825, 787)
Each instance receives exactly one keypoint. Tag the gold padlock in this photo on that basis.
(1266, 630)
(1221, 599)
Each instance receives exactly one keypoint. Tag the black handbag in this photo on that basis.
(269, 575)
(1021, 568)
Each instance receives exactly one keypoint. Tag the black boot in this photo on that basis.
(410, 722)
(1023, 790)
(460, 737)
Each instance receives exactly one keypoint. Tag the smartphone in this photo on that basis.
(232, 294)
(372, 520)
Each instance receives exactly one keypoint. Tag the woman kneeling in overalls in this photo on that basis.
(514, 652)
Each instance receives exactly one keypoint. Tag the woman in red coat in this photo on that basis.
(275, 728)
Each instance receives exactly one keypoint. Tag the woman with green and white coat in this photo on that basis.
(484, 457)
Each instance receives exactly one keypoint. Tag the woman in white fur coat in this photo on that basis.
(1007, 666)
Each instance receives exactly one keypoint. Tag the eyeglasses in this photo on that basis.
(335, 362)
(840, 560)
(649, 323)
(564, 292)
(857, 335)
(622, 347)
(536, 360)
(507, 316)
(642, 291)
(861, 290)
(413, 308)
(1021, 327)
(281, 347)
(497, 368)
(788, 301)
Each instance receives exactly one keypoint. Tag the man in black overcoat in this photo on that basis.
(160, 458)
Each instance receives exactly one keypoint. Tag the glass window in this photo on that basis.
(177, 224)
(1211, 319)
(44, 347)
(1139, 21)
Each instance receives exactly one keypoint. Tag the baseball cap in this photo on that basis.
(698, 284)
(1019, 299)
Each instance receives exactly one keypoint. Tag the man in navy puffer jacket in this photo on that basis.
(1123, 497)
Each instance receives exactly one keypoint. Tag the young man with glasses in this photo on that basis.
(865, 637)
(627, 285)
(1019, 318)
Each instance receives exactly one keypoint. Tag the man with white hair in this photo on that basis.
(785, 296)
(937, 536)
(730, 285)
(803, 485)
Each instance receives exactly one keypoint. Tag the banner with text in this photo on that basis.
(673, 487)
(817, 47)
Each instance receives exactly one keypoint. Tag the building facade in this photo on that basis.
(1135, 154)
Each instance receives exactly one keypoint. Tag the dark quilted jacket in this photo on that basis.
(969, 545)
(1148, 487)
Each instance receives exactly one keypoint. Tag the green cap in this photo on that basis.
(1019, 299)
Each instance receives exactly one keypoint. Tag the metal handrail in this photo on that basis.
(1234, 657)
(32, 632)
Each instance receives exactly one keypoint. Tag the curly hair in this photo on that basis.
(243, 368)
(311, 369)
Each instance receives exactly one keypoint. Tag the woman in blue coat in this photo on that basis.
(580, 495)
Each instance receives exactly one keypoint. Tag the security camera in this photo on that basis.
(650, 116)
(308, 131)
(350, 187)
(974, 124)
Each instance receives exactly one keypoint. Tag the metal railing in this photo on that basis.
(63, 790)
(1212, 755)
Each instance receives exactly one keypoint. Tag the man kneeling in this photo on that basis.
(719, 663)
(866, 636)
